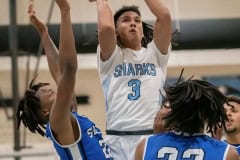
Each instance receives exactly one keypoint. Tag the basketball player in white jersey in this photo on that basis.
(132, 61)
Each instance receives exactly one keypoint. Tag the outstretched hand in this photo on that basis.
(158, 125)
(38, 24)
(218, 134)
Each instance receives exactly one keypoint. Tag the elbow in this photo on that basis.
(70, 67)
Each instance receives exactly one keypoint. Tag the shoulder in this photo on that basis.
(232, 154)
(116, 50)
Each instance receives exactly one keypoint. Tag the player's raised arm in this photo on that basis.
(106, 29)
(162, 28)
(60, 113)
(49, 47)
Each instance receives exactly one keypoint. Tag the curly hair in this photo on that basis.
(29, 110)
(147, 28)
(195, 104)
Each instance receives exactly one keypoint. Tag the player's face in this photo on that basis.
(233, 113)
(47, 97)
(129, 28)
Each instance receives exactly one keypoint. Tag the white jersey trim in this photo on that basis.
(70, 145)
(226, 152)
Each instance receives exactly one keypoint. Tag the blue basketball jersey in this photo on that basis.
(89, 146)
(172, 146)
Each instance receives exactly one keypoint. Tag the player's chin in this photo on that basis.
(229, 127)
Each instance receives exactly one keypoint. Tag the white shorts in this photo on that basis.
(123, 147)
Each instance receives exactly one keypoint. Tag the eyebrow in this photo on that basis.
(232, 106)
(128, 16)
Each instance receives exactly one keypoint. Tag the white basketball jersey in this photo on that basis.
(131, 82)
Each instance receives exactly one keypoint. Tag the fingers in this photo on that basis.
(31, 12)
(219, 133)
(38, 24)
(30, 8)
(158, 126)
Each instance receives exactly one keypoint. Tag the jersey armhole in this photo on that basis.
(69, 145)
(226, 152)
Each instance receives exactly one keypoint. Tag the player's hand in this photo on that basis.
(219, 133)
(159, 125)
(37, 23)
(31, 11)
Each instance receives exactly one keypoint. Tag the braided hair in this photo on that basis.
(29, 110)
(147, 28)
(195, 104)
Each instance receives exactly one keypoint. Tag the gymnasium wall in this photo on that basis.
(202, 22)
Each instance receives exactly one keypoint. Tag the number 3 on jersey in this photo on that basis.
(135, 85)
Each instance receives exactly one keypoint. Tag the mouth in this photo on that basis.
(229, 122)
(132, 31)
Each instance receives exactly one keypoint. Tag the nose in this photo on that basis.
(228, 113)
(133, 24)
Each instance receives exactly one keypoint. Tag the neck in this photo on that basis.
(133, 46)
(233, 138)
